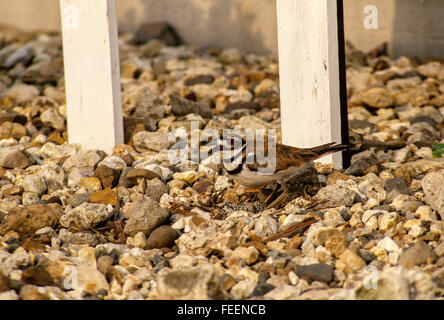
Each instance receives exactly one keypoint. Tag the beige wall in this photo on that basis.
(412, 27)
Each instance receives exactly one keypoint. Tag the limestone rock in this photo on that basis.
(29, 219)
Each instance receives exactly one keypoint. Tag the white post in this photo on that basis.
(92, 73)
(309, 74)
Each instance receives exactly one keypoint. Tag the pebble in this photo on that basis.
(84, 159)
(340, 194)
(397, 184)
(140, 240)
(352, 261)
(202, 283)
(13, 158)
(418, 254)
(162, 237)
(181, 107)
(88, 254)
(283, 292)
(388, 244)
(315, 272)
(104, 263)
(387, 285)
(29, 219)
(187, 176)
(249, 255)
(151, 141)
(107, 197)
(85, 216)
(79, 237)
(439, 250)
(107, 176)
(221, 184)
(23, 93)
(53, 119)
(434, 192)
(34, 183)
(378, 98)
(146, 215)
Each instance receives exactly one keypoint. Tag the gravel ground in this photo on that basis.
(82, 224)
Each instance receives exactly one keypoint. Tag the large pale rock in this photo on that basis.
(182, 107)
(84, 159)
(143, 102)
(86, 216)
(418, 254)
(144, 216)
(53, 118)
(12, 157)
(151, 141)
(23, 93)
(433, 187)
(198, 283)
(343, 193)
(29, 219)
(377, 98)
(54, 176)
(34, 183)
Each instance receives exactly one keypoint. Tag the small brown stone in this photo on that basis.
(129, 261)
(30, 244)
(56, 269)
(31, 292)
(323, 235)
(56, 137)
(124, 151)
(438, 101)
(410, 206)
(418, 254)
(176, 183)
(352, 260)
(108, 176)
(430, 236)
(14, 159)
(228, 282)
(28, 219)
(259, 245)
(138, 128)
(438, 277)
(90, 183)
(133, 174)
(232, 262)
(336, 245)
(38, 276)
(104, 263)
(12, 191)
(3, 283)
(230, 196)
(203, 186)
(335, 176)
(439, 249)
(197, 220)
(284, 271)
(106, 196)
(294, 242)
(163, 236)
(155, 188)
(378, 98)
(199, 79)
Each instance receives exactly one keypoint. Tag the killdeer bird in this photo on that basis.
(252, 172)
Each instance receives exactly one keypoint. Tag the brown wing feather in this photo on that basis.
(287, 156)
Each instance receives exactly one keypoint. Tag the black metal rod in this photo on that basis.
(346, 155)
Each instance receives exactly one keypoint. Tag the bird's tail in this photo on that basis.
(329, 148)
